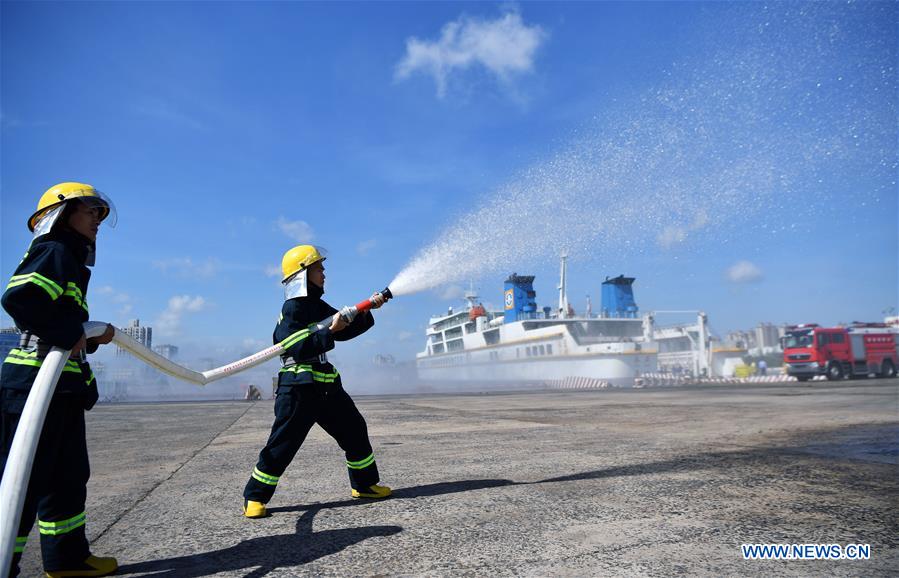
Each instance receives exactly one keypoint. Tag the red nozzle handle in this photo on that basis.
(363, 306)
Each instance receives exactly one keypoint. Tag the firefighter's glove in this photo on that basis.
(338, 323)
(94, 343)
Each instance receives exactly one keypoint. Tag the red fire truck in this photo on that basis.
(837, 352)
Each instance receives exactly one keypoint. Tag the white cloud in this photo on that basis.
(299, 231)
(700, 220)
(273, 271)
(365, 247)
(504, 47)
(169, 321)
(744, 272)
(405, 335)
(122, 300)
(671, 236)
(187, 267)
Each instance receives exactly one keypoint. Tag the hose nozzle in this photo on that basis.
(349, 313)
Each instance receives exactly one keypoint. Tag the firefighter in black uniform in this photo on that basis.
(309, 388)
(46, 298)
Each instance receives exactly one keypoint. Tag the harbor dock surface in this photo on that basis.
(544, 483)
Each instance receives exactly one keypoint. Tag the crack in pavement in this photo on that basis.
(171, 475)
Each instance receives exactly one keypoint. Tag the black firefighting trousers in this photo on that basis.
(297, 408)
(57, 488)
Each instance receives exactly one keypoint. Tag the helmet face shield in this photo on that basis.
(108, 214)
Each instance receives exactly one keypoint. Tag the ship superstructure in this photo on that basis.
(525, 345)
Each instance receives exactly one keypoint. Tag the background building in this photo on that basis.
(143, 335)
(167, 351)
(767, 338)
(9, 338)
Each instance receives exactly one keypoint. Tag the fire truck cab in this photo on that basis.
(837, 352)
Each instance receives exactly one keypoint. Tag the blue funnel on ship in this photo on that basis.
(520, 298)
(618, 298)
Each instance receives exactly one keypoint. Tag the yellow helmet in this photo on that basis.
(300, 258)
(59, 194)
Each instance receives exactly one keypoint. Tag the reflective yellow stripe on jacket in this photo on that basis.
(22, 357)
(48, 285)
(75, 293)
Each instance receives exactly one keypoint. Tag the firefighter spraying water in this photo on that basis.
(310, 389)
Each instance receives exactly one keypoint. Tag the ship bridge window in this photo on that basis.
(454, 345)
(542, 350)
(438, 348)
(454, 332)
(492, 337)
(549, 348)
(469, 328)
(453, 321)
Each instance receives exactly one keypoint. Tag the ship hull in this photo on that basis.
(615, 369)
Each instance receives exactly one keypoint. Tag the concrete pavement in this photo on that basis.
(592, 483)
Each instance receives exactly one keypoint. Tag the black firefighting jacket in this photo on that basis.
(302, 362)
(46, 298)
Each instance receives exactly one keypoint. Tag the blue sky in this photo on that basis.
(738, 158)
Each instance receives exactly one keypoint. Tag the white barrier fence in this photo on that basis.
(578, 383)
(659, 379)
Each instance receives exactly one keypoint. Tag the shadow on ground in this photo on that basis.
(265, 553)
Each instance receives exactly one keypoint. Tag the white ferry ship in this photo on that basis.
(522, 346)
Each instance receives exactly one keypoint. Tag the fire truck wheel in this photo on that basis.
(834, 371)
(887, 369)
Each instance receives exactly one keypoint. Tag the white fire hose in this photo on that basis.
(21, 455)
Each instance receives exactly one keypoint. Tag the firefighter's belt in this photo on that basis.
(287, 361)
(30, 342)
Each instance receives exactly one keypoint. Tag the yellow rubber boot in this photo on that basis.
(253, 509)
(374, 492)
(93, 566)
